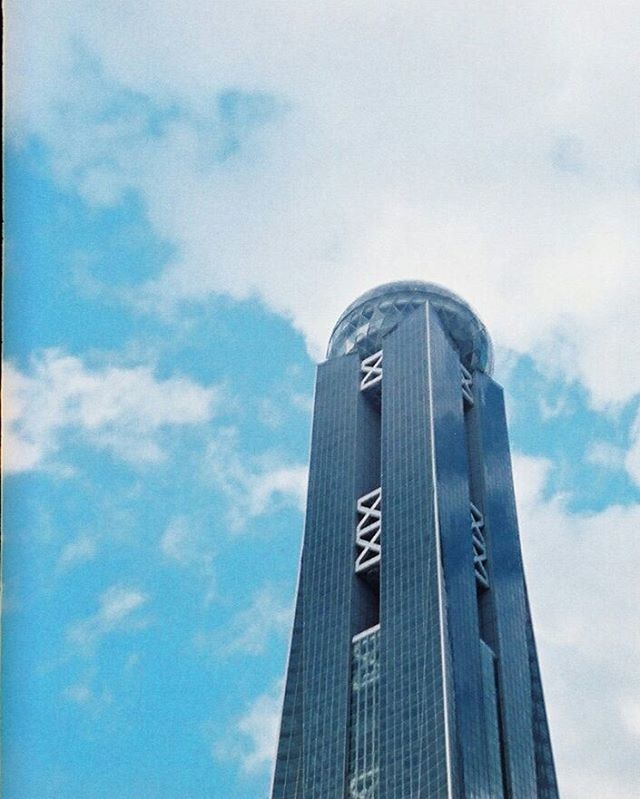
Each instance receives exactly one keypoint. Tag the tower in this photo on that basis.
(412, 670)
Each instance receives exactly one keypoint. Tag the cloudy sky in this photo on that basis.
(194, 192)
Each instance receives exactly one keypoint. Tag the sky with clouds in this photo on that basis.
(194, 192)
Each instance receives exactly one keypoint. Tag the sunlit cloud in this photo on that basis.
(184, 544)
(256, 485)
(632, 458)
(513, 182)
(581, 570)
(251, 629)
(119, 409)
(117, 612)
(81, 550)
(295, 155)
(252, 740)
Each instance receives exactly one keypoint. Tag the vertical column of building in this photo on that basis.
(484, 593)
(287, 776)
(452, 476)
(363, 773)
(416, 752)
(367, 502)
(492, 722)
(504, 612)
(327, 577)
(545, 767)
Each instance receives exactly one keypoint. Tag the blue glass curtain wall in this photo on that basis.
(417, 678)
(415, 753)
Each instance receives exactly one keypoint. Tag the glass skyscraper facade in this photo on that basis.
(412, 671)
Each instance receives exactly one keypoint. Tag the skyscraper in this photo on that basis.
(412, 671)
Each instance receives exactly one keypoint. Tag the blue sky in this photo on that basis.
(192, 197)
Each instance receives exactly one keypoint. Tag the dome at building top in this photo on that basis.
(368, 319)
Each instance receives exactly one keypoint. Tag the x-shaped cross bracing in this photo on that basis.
(368, 530)
(479, 546)
(371, 368)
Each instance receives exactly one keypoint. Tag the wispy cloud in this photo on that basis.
(632, 458)
(260, 725)
(271, 413)
(603, 453)
(117, 612)
(183, 543)
(582, 575)
(618, 458)
(275, 409)
(119, 409)
(506, 171)
(78, 693)
(551, 409)
(80, 550)
(254, 485)
(84, 694)
(251, 629)
(253, 739)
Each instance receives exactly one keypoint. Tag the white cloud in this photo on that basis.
(86, 695)
(177, 541)
(80, 550)
(494, 152)
(632, 458)
(251, 629)
(253, 485)
(116, 612)
(582, 576)
(132, 662)
(253, 739)
(611, 456)
(551, 409)
(260, 725)
(630, 711)
(271, 413)
(112, 407)
(603, 453)
(303, 402)
(183, 543)
(79, 694)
